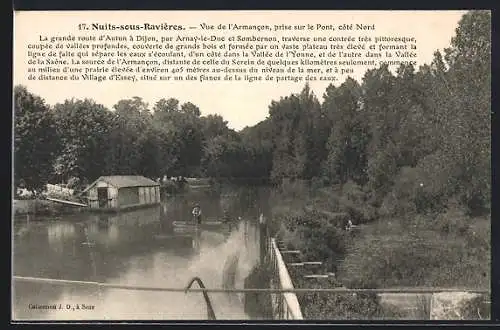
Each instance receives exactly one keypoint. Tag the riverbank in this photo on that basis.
(449, 249)
(42, 207)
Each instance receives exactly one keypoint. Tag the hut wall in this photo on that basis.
(153, 195)
(158, 196)
(128, 196)
(95, 196)
(141, 195)
(92, 198)
(113, 197)
(148, 195)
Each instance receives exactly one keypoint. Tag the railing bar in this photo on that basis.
(305, 290)
(312, 262)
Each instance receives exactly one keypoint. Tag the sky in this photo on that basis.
(240, 103)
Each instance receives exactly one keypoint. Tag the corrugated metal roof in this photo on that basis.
(122, 181)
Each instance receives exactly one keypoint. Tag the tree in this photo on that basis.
(459, 95)
(295, 149)
(132, 144)
(223, 157)
(469, 76)
(349, 134)
(213, 125)
(258, 145)
(184, 128)
(35, 140)
(439, 125)
(83, 127)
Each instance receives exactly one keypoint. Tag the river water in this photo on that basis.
(142, 248)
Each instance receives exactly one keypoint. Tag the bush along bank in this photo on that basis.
(442, 249)
(319, 237)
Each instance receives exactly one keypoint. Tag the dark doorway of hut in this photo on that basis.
(102, 196)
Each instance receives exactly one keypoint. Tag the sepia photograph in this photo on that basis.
(243, 165)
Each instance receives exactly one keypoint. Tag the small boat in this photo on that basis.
(182, 223)
(184, 229)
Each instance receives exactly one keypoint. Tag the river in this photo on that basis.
(143, 248)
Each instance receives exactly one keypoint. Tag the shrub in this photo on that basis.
(336, 306)
(477, 308)
(74, 183)
(293, 189)
(319, 182)
(453, 221)
(284, 217)
(333, 306)
(327, 244)
(402, 255)
(355, 202)
(461, 306)
(413, 193)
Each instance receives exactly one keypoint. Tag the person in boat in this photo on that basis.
(197, 214)
(349, 225)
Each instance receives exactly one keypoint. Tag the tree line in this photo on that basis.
(80, 140)
(420, 136)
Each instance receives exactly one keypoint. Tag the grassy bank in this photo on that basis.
(448, 249)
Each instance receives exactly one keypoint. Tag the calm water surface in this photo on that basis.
(143, 248)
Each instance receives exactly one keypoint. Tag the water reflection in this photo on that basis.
(139, 247)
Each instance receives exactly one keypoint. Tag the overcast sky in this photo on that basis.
(241, 104)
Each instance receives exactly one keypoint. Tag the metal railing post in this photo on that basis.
(210, 310)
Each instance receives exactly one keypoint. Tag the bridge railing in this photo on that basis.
(285, 304)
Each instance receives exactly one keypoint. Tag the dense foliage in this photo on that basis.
(415, 137)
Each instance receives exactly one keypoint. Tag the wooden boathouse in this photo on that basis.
(119, 192)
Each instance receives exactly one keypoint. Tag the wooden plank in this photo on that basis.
(191, 224)
(320, 275)
(316, 276)
(66, 202)
(305, 263)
